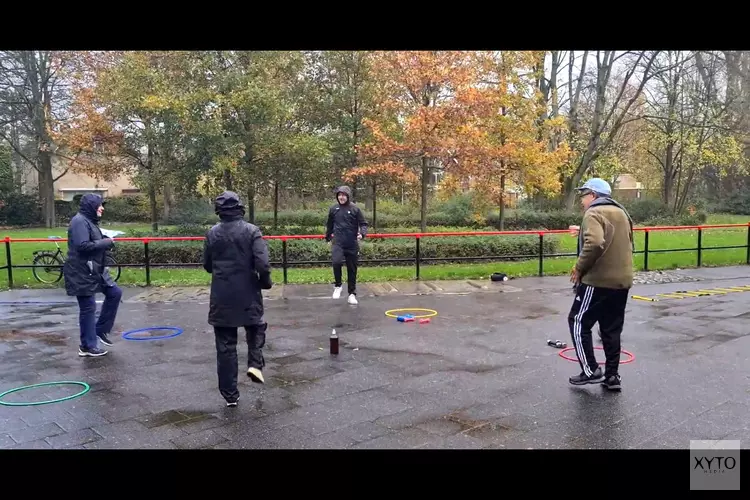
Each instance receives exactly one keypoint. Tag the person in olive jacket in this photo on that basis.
(603, 277)
(236, 255)
(86, 274)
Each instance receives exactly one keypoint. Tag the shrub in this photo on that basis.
(737, 203)
(192, 211)
(64, 211)
(647, 209)
(520, 220)
(653, 212)
(20, 209)
(130, 208)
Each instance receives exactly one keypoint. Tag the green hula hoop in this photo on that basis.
(85, 386)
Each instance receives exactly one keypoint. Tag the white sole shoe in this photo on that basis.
(255, 375)
(352, 300)
(337, 292)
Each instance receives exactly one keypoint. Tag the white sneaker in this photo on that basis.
(337, 292)
(352, 299)
(256, 375)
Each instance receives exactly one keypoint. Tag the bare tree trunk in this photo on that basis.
(152, 189)
(46, 189)
(17, 164)
(228, 180)
(275, 204)
(153, 204)
(169, 200)
(374, 205)
(251, 202)
(501, 213)
(425, 181)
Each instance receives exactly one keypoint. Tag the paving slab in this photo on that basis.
(480, 375)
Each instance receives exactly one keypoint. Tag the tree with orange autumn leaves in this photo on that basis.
(418, 121)
(507, 135)
(472, 115)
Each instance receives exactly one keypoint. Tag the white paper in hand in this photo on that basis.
(112, 234)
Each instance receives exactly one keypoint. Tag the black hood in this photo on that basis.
(346, 191)
(89, 204)
(228, 205)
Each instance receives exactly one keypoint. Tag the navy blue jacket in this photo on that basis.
(236, 255)
(85, 271)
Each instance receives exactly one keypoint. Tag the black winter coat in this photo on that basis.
(85, 270)
(236, 255)
(345, 222)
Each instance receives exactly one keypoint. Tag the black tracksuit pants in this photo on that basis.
(607, 307)
(226, 355)
(340, 255)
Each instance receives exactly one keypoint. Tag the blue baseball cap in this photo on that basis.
(597, 185)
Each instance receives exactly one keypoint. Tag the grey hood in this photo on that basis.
(346, 190)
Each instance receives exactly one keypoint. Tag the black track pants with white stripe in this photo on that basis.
(592, 305)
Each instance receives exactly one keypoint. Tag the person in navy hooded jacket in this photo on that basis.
(86, 274)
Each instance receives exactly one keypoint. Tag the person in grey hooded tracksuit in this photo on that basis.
(345, 227)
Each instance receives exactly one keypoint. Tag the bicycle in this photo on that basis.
(52, 263)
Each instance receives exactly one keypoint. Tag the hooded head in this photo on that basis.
(91, 206)
(341, 192)
(229, 206)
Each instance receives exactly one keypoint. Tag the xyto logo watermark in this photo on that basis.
(715, 465)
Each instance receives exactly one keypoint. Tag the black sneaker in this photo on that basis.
(583, 379)
(613, 383)
(105, 340)
(94, 352)
(233, 404)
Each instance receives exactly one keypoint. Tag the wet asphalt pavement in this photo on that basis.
(480, 375)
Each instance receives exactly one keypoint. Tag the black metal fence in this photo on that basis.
(285, 264)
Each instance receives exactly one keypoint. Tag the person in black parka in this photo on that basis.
(86, 274)
(346, 226)
(236, 255)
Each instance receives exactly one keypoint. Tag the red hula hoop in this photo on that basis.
(622, 351)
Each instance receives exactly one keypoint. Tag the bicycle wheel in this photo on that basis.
(114, 267)
(43, 272)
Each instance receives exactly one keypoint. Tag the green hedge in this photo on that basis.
(452, 213)
(317, 250)
(200, 230)
(20, 209)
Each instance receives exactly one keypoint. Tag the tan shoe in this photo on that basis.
(255, 375)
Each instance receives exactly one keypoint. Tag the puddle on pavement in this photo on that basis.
(472, 427)
(22, 335)
(287, 380)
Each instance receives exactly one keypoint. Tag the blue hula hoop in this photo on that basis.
(178, 331)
